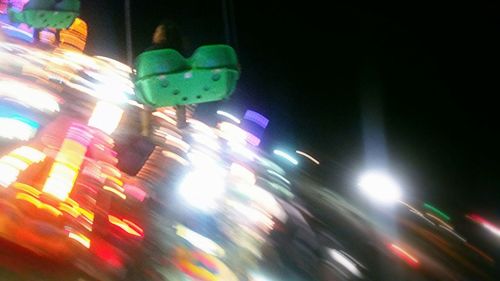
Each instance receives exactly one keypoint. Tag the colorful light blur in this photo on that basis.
(404, 255)
(485, 223)
(106, 117)
(229, 116)
(65, 169)
(314, 160)
(28, 95)
(80, 238)
(127, 226)
(199, 241)
(436, 211)
(18, 160)
(286, 156)
(17, 127)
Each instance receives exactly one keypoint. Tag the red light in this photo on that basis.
(404, 255)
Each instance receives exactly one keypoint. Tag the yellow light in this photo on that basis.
(15, 162)
(80, 238)
(86, 213)
(29, 153)
(114, 191)
(69, 210)
(27, 189)
(106, 117)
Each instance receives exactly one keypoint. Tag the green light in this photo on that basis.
(437, 211)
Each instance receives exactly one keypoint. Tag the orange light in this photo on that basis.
(411, 260)
(80, 238)
(126, 226)
(75, 37)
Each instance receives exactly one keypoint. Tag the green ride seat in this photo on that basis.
(165, 78)
(47, 13)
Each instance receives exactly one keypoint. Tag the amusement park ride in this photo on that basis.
(71, 149)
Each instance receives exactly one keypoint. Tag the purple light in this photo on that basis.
(257, 118)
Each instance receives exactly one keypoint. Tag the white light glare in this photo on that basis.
(380, 187)
(106, 117)
(202, 188)
(345, 262)
(286, 156)
(229, 116)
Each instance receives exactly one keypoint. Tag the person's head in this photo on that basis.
(167, 33)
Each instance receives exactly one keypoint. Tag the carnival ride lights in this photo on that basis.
(65, 169)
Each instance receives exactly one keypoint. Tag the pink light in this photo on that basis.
(485, 223)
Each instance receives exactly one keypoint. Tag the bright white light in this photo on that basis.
(345, 262)
(202, 188)
(243, 173)
(106, 117)
(232, 133)
(286, 156)
(229, 116)
(380, 187)
(11, 128)
(28, 95)
(308, 156)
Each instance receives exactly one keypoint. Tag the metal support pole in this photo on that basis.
(128, 33)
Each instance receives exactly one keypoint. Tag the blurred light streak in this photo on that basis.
(27, 189)
(286, 156)
(29, 96)
(65, 169)
(80, 238)
(481, 253)
(39, 204)
(232, 133)
(175, 157)
(106, 117)
(199, 241)
(257, 118)
(229, 116)
(423, 217)
(279, 176)
(437, 211)
(135, 192)
(126, 226)
(17, 128)
(243, 173)
(314, 160)
(10, 168)
(411, 260)
(485, 223)
(115, 191)
(345, 262)
(242, 150)
(453, 232)
(440, 221)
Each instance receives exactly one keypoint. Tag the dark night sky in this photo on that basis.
(422, 76)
